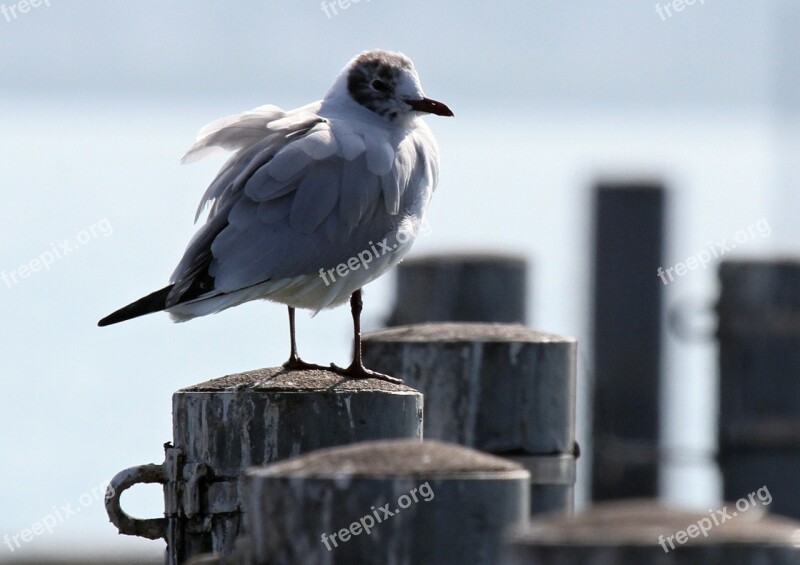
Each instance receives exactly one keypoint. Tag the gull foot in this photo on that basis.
(361, 372)
(297, 364)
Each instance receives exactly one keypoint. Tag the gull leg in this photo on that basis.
(295, 363)
(356, 369)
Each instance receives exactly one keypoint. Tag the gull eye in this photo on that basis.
(379, 85)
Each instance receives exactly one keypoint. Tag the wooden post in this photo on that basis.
(384, 502)
(461, 288)
(759, 369)
(501, 388)
(628, 251)
(643, 532)
(222, 427)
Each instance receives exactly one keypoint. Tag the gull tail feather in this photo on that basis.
(153, 302)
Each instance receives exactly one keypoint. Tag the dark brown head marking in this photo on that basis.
(373, 78)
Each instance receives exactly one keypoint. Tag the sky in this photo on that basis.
(504, 53)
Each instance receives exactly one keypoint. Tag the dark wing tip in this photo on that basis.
(153, 302)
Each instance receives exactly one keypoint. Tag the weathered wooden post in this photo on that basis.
(759, 369)
(638, 532)
(628, 251)
(402, 502)
(501, 388)
(222, 427)
(463, 287)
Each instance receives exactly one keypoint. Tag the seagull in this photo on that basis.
(313, 204)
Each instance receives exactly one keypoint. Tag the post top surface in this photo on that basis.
(465, 332)
(280, 379)
(641, 522)
(466, 257)
(391, 458)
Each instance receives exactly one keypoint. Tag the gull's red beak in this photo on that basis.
(430, 107)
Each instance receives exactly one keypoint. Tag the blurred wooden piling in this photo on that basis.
(222, 427)
(500, 388)
(628, 251)
(759, 368)
(463, 287)
(639, 532)
(446, 504)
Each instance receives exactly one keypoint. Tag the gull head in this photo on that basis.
(386, 83)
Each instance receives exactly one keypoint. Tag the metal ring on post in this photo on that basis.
(152, 528)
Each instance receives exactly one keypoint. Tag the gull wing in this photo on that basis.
(310, 193)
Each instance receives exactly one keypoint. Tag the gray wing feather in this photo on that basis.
(394, 182)
(288, 162)
(233, 132)
(319, 143)
(351, 144)
(262, 186)
(316, 196)
(224, 179)
(360, 191)
(274, 210)
(242, 212)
